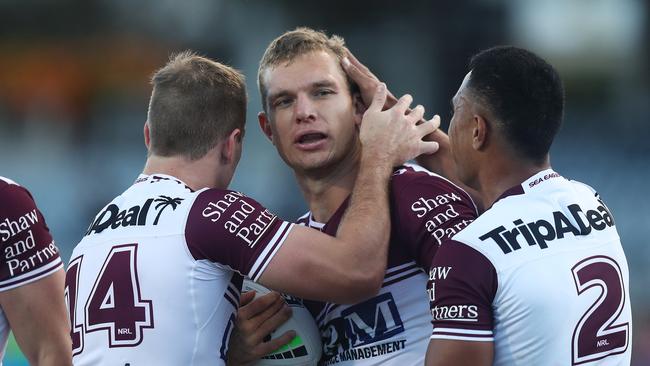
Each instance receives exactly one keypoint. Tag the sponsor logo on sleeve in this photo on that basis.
(540, 232)
(11, 228)
(20, 255)
(436, 273)
(245, 222)
(443, 205)
(458, 313)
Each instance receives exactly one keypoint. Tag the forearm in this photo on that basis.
(365, 229)
(54, 356)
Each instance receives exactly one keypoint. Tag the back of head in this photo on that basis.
(194, 104)
(523, 93)
(294, 44)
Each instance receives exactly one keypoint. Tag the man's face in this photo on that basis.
(461, 129)
(313, 117)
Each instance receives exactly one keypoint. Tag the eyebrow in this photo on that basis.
(323, 83)
(316, 84)
(274, 96)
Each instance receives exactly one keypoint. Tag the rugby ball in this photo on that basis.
(305, 348)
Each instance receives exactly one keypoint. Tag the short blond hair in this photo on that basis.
(195, 103)
(293, 44)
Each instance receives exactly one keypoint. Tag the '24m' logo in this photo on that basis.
(365, 323)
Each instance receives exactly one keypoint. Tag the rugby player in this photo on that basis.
(540, 277)
(156, 278)
(312, 112)
(31, 281)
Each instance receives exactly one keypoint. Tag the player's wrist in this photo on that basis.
(375, 165)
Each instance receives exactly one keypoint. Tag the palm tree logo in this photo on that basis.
(163, 203)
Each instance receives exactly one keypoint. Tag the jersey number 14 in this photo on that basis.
(114, 303)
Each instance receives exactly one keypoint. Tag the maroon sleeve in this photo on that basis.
(229, 228)
(462, 285)
(430, 210)
(28, 251)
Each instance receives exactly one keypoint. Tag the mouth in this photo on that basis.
(310, 140)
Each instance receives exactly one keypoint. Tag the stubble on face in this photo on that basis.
(312, 114)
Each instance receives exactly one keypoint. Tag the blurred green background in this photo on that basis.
(13, 356)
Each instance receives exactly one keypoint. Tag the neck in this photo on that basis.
(197, 174)
(326, 191)
(502, 173)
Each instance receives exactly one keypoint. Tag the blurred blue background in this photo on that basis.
(74, 92)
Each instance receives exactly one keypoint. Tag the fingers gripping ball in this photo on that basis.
(305, 348)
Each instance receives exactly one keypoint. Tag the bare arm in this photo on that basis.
(442, 352)
(38, 318)
(351, 266)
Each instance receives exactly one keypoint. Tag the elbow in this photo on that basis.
(362, 286)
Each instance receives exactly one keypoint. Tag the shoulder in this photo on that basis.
(9, 188)
(213, 204)
(413, 181)
(228, 216)
(15, 198)
(6, 181)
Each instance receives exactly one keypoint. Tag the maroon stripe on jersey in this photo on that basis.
(269, 253)
(401, 278)
(463, 334)
(394, 271)
(24, 280)
(233, 293)
(234, 303)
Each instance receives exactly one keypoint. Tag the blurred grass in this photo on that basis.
(13, 356)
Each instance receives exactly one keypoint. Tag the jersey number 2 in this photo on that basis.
(596, 336)
(114, 303)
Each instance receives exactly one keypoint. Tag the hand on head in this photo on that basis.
(394, 134)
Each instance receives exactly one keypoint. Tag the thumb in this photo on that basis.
(246, 297)
(379, 99)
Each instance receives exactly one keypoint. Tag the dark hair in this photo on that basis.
(195, 102)
(525, 95)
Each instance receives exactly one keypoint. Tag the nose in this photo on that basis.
(304, 109)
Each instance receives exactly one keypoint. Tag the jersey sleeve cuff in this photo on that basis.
(270, 250)
(32, 276)
(463, 334)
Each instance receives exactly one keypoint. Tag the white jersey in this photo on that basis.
(542, 274)
(393, 327)
(157, 277)
(28, 251)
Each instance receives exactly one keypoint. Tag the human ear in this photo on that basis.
(479, 132)
(265, 125)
